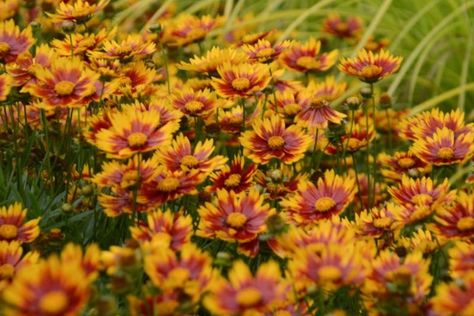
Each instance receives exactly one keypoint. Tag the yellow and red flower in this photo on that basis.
(376, 222)
(66, 83)
(317, 113)
(189, 274)
(80, 44)
(12, 259)
(195, 103)
(241, 80)
(237, 177)
(370, 67)
(401, 163)
(461, 259)
(214, 58)
(8, 8)
(181, 156)
(51, 287)
(13, 226)
(263, 51)
(313, 202)
(118, 182)
(186, 29)
(444, 148)
(350, 28)
(281, 182)
(13, 42)
(88, 260)
(419, 198)
(245, 294)
(304, 57)
(329, 267)
(133, 47)
(133, 132)
(455, 298)
(76, 11)
(175, 227)
(136, 79)
(269, 138)
(456, 221)
(234, 217)
(408, 278)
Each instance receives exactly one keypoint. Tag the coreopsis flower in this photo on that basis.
(461, 259)
(117, 183)
(245, 294)
(376, 43)
(350, 28)
(77, 11)
(8, 8)
(181, 156)
(456, 221)
(51, 287)
(190, 274)
(214, 58)
(444, 148)
(393, 280)
(5, 86)
(13, 226)
(401, 163)
(13, 42)
(419, 198)
(12, 259)
(304, 57)
(421, 241)
(186, 29)
(241, 80)
(176, 227)
(89, 259)
(163, 304)
(168, 186)
(354, 140)
(313, 202)
(133, 132)
(329, 267)
(323, 233)
(135, 79)
(22, 70)
(286, 103)
(370, 67)
(263, 51)
(132, 47)
(376, 222)
(80, 44)
(269, 138)
(234, 217)
(456, 298)
(65, 84)
(328, 89)
(318, 113)
(237, 177)
(195, 103)
(427, 124)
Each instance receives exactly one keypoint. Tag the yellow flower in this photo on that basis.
(77, 11)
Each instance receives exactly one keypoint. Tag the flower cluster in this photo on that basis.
(194, 167)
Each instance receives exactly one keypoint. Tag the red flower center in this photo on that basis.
(64, 87)
(240, 84)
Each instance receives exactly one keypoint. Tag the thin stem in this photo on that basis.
(374, 149)
(357, 181)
